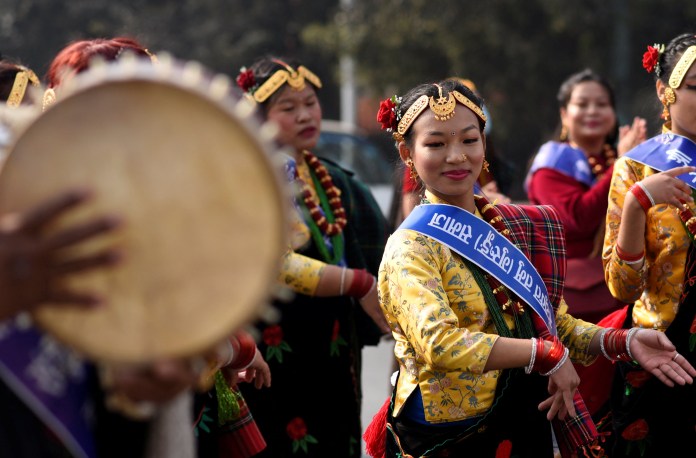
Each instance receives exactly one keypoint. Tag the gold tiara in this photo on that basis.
(294, 78)
(685, 61)
(19, 87)
(443, 108)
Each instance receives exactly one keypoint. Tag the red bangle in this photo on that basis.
(629, 257)
(615, 344)
(641, 196)
(361, 283)
(246, 350)
(547, 362)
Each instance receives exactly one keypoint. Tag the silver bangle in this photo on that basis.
(343, 281)
(602, 333)
(647, 193)
(532, 359)
(558, 365)
(628, 342)
(637, 261)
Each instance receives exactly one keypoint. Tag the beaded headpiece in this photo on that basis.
(294, 77)
(685, 61)
(443, 108)
(23, 78)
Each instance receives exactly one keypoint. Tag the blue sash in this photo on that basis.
(563, 158)
(666, 151)
(50, 380)
(481, 244)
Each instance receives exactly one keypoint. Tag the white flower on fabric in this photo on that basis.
(54, 366)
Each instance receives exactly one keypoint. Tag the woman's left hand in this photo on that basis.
(562, 386)
(656, 354)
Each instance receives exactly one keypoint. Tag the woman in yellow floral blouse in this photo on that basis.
(473, 296)
(649, 258)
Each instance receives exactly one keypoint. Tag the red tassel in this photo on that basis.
(375, 435)
(504, 449)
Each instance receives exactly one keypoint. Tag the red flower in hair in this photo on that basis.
(650, 58)
(386, 115)
(246, 80)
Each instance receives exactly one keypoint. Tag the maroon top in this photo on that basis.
(581, 208)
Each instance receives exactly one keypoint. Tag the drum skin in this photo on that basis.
(203, 206)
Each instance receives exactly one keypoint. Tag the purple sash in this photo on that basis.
(666, 151)
(51, 380)
(563, 158)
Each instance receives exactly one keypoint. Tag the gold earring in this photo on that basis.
(668, 99)
(412, 170)
(485, 164)
(564, 133)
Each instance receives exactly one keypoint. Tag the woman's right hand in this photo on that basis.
(562, 386)
(370, 303)
(631, 136)
(666, 188)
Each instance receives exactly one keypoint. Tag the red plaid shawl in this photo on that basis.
(538, 232)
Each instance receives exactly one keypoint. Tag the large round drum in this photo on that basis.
(203, 204)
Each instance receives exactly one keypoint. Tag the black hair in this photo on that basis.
(566, 91)
(673, 51)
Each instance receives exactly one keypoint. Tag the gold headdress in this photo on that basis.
(22, 79)
(675, 80)
(685, 61)
(294, 78)
(442, 107)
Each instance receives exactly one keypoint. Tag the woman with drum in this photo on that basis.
(46, 389)
(338, 243)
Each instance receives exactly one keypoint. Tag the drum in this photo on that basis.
(183, 162)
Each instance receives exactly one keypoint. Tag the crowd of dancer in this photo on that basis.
(491, 358)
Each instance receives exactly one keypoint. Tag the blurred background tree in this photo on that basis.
(517, 52)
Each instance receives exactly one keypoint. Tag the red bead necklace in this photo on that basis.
(598, 168)
(332, 193)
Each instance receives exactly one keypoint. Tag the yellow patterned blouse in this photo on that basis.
(298, 272)
(443, 330)
(657, 286)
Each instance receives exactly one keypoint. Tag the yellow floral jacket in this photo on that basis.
(657, 286)
(443, 330)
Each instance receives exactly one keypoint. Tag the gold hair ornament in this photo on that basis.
(22, 79)
(443, 108)
(685, 61)
(294, 78)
